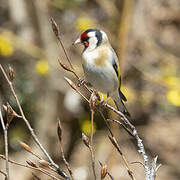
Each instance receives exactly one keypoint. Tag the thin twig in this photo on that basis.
(5, 130)
(116, 145)
(36, 177)
(114, 142)
(30, 167)
(60, 171)
(136, 136)
(91, 147)
(105, 120)
(149, 173)
(59, 131)
(109, 174)
(127, 130)
(57, 33)
(3, 173)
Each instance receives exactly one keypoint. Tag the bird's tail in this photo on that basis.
(120, 105)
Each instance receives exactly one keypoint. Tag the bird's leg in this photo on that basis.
(105, 101)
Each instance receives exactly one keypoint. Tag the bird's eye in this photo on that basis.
(84, 39)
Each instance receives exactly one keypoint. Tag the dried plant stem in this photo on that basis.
(30, 167)
(65, 161)
(91, 147)
(139, 141)
(150, 170)
(109, 174)
(63, 174)
(114, 142)
(59, 130)
(116, 145)
(3, 173)
(57, 33)
(5, 130)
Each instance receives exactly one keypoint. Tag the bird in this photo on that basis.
(101, 66)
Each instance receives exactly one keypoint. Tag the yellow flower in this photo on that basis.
(86, 127)
(84, 23)
(173, 96)
(6, 48)
(171, 81)
(42, 67)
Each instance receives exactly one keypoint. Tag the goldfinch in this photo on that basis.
(101, 66)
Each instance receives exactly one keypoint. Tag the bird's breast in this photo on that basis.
(99, 72)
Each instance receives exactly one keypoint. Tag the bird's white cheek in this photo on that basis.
(89, 57)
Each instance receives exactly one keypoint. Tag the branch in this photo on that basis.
(59, 170)
(32, 166)
(59, 131)
(5, 129)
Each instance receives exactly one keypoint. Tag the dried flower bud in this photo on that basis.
(85, 140)
(54, 27)
(103, 171)
(93, 101)
(10, 114)
(25, 146)
(11, 73)
(59, 130)
(44, 163)
(65, 67)
(72, 84)
(33, 164)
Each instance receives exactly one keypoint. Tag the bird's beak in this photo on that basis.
(78, 41)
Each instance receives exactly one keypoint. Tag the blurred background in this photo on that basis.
(145, 35)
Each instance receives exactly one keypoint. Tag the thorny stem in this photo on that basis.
(5, 130)
(63, 174)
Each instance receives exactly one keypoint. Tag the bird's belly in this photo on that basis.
(102, 79)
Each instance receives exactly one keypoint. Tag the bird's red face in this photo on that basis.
(84, 39)
(90, 38)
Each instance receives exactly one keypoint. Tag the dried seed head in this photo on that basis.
(44, 163)
(54, 27)
(103, 171)
(10, 113)
(72, 84)
(59, 130)
(25, 146)
(31, 163)
(11, 73)
(85, 140)
(65, 67)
